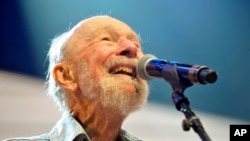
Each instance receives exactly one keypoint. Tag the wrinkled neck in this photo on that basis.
(101, 123)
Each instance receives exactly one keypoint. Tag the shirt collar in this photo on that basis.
(68, 129)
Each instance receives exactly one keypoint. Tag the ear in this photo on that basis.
(64, 76)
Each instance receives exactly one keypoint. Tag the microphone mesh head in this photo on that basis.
(141, 66)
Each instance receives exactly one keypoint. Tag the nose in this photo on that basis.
(127, 48)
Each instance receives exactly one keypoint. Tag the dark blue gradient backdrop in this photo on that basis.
(215, 33)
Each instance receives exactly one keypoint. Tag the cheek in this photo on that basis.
(102, 52)
(98, 56)
(95, 60)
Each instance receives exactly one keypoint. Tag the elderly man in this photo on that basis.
(92, 78)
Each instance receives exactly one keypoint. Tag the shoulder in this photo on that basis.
(127, 136)
(43, 137)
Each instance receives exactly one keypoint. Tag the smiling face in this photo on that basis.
(103, 52)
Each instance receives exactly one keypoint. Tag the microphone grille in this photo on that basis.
(142, 64)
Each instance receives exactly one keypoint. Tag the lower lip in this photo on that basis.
(123, 75)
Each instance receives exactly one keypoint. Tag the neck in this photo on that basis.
(100, 123)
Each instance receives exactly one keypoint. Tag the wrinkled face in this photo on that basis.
(104, 52)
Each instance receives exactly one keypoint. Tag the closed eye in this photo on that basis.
(106, 38)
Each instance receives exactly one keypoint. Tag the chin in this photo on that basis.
(127, 96)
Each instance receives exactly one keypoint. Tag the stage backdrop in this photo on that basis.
(213, 33)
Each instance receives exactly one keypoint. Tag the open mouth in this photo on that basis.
(123, 69)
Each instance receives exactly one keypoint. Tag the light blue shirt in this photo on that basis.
(68, 129)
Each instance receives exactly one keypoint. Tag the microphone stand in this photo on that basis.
(182, 104)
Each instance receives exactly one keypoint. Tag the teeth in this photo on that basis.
(124, 69)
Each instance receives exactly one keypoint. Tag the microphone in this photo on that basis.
(176, 73)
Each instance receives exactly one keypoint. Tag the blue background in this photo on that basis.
(215, 33)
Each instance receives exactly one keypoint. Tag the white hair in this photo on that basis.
(55, 56)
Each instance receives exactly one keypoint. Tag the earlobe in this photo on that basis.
(64, 77)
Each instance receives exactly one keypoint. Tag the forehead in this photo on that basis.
(94, 26)
(91, 30)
